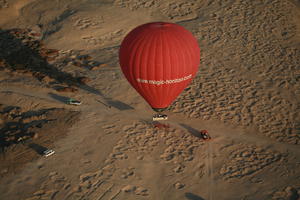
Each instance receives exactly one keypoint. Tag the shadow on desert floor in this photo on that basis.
(191, 196)
(191, 130)
(21, 52)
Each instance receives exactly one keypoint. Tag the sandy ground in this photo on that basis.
(246, 94)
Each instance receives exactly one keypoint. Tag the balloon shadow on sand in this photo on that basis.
(191, 130)
(191, 196)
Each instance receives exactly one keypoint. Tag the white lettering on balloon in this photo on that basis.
(161, 82)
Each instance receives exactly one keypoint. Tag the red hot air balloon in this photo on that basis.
(159, 60)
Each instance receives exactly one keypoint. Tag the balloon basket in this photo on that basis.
(159, 117)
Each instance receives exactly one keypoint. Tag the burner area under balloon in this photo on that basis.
(159, 117)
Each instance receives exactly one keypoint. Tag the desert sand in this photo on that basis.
(246, 95)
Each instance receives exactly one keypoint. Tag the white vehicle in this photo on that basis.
(48, 152)
(74, 102)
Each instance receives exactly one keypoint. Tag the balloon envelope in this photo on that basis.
(159, 60)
